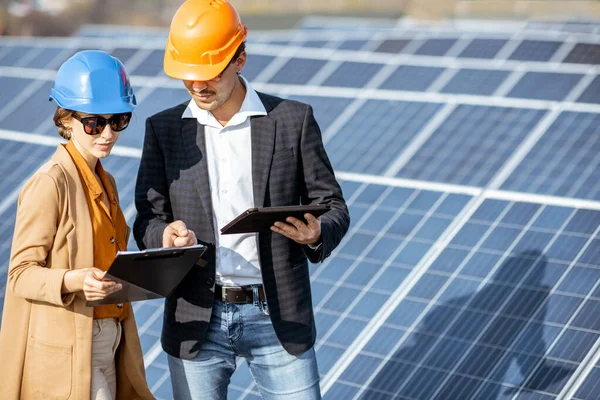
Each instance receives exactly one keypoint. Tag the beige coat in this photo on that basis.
(46, 337)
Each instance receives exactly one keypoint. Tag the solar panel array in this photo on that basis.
(469, 156)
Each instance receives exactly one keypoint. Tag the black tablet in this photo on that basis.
(150, 274)
(261, 219)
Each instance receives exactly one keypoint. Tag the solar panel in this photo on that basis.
(467, 154)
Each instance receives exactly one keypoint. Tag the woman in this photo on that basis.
(69, 227)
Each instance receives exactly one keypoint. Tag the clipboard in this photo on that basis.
(150, 274)
(261, 219)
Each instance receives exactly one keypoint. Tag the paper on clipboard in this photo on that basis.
(150, 274)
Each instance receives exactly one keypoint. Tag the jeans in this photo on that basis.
(106, 335)
(244, 330)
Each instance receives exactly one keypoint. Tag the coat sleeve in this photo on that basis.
(151, 194)
(35, 230)
(320, 186)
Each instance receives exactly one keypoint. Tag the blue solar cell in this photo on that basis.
(391, 278)
(361, 276)
(412, 78)
(592, 93)
(124, 53)
(47, 57)
(520, 213)
(483, 82)
(297, 71)
(360, 369)
(326, 109)
(479, 265)
(490, 210)
(573, 345)
(590, 389)
(535, 50)
(560, 309)
(584, 53)
(580, 281)
(592, 253)
(18, 161)
(435, 47)
(397, 197)
(352, 44)
(424, 201)
(567, 147)
(384, 340)
(459, 288)
(23, 120)
(379, 218)
(315, 43)
(353, 74)
(346, 332)
(428, 286)
(406, 313)
(433, 228)
(255, 64)
(384, 248)
(588, 317)
(566, 248)
(151, 66)
(335, 268)
(376, 134)
(452, 155)
(584, 221)
(533, 241)
(11, 87)
(412, 253)
(369, 306)
(470, 234)
(483, 48)
(392, 46)
(453, 204)
(545, 85)
(13, 56)
(552, 217)
(500, 238)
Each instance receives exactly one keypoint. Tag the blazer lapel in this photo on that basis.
(194, 144)
(82, 254)
(263, 142)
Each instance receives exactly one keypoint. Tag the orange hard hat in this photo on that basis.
(203, 38)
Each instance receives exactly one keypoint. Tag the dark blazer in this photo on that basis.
(289, 167)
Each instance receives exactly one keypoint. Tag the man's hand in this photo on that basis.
(298, 231)
(176, 234)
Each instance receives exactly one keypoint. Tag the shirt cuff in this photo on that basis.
(315, 247)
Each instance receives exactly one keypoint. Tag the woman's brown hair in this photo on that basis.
(61, 115)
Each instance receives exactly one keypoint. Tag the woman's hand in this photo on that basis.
(91, 281)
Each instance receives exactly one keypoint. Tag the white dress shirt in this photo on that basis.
(229, 160)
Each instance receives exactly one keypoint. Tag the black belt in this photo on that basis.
(236, 294)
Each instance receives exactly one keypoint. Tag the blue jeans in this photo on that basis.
(244, 330)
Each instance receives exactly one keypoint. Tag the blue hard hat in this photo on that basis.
(93, 82)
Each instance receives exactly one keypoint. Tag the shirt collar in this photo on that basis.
(250, 106)
(87, 175)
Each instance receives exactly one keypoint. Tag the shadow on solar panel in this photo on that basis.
(486, 345)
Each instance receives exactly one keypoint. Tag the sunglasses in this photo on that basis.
(95, 125)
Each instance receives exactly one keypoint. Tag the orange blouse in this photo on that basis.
(109, 226)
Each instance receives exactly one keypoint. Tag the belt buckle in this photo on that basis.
(224, 290)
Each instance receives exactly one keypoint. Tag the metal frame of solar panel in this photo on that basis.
(468, 153)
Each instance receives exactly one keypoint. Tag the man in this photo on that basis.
(206, 161)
